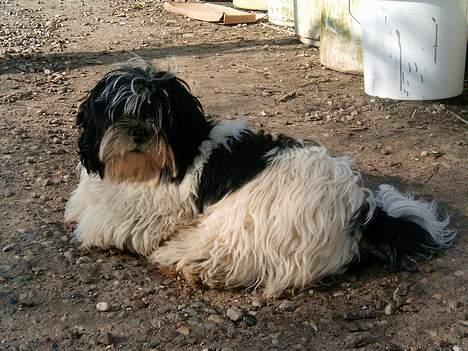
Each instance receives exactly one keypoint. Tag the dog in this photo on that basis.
(223, 205)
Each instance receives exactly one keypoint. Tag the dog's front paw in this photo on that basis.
(192, 276)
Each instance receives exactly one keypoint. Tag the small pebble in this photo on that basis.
(234, 314)
(314, 326)
(216, 318)
(139, 304)
(257, 303)
(52, 24)
(184, 331)
(26, 299)
(389, 309)
(104, 338)
(102, 306)
(83, 260)
(287, 306)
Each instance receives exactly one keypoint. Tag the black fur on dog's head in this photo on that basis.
(139, 123)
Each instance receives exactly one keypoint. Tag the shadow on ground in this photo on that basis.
(72, 60)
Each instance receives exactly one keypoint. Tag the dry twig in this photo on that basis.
(287, 96)
(250, 68)
(278, 29)
(434, 172)
(458, 117)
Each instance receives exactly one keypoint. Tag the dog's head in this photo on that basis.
(139, 124)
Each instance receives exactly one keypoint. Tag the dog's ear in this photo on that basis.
(188, 125)
(92, 125)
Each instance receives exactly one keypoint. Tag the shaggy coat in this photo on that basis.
(224, 205)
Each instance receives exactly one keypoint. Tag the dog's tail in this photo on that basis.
(400, 230)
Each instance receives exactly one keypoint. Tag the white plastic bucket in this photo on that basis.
(340, 35)
(261, 5)
(414, 49)
(281, 12)
(307, 21)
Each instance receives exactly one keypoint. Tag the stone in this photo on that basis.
(26, 299)
(314, 326)
(183, 331)
(257, 303)
(103, 306)
(215, 318)
(52, 24)
(287, 306)
(139, 304)
(104, 338)
(83, 260)
(389, 309)
(234, 314)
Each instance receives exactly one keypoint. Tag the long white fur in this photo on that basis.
(139, 216)
(420, 212)
(285, 228)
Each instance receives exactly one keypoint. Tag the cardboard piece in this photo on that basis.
(211, 13)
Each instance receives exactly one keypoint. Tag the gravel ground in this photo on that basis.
(55, 296)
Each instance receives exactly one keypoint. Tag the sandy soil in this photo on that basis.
(52, 52)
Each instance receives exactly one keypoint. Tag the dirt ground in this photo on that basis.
(52, 53)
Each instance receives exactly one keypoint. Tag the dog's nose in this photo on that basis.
(139, 135)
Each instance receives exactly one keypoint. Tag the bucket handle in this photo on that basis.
(349, 10)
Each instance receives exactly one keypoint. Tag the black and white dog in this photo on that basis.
(224, 205)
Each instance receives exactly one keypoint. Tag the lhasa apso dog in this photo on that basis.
(224, 205)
